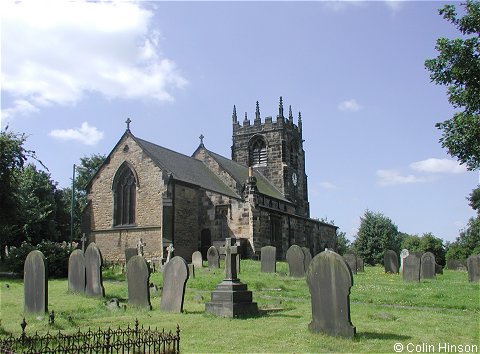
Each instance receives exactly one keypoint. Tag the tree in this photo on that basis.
(376, 234)
(343, 244)
(458, 67)
(474, 199)
(467, 243)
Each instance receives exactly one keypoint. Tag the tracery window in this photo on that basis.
(258, 153)
(125, 195)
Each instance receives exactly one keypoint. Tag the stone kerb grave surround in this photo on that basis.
(427, 266)
(175, 276)
(390, 261)
(268, 259)
(351, 260)
(213, 257)
(329, 280)
(93, 271)
(76, 272)
(138, 279)
(411, 268)
(231, 297)
(296, 261)
(473, 268)
(404, 254)
(197, 259)
(35, 283)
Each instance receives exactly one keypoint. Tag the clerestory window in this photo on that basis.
(125, 194)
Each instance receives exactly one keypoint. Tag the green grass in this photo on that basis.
(384, 310)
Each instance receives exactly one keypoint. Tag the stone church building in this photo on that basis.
(146, 192)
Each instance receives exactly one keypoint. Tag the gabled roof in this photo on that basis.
(240, 174)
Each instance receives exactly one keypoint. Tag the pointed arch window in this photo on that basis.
(125, 197)
(258, 153)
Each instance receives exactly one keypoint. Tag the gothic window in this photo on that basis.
(125, 193)
(258, 153)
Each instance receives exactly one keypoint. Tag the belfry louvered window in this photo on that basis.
(258, 153)
(125, 194)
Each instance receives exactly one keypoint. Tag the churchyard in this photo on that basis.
(385, 310)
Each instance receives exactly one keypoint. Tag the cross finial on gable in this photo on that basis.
(128, 121)
(201, 137)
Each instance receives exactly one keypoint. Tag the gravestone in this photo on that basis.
(473, 267)
(390, 261)
(268, 258)
(360, 264)
(191, 270)
(296, 261)
(329, 280)
(138, 279)
(140, 246)
(213, 257)
(231, 297)
(351, 260)
(175, 276)
(129, 253)
(404, 254)
(93, 271)
(35, 283)
(427, 266)
(76, 272)
(456, 264)
(411, 268)
(307, 258)
(197, 260)
(170, 250)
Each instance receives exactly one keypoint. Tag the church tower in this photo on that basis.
(275, 149)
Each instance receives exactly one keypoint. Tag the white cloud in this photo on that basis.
(349, 106)
(20, 107)
(327, 185)
(394, 5)
(433, 165)
(55, 54)
(393, 177)
(86, 134)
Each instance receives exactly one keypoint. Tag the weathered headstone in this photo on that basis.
(268, 259)
(307, 257)
(411, 268)
(296, 261)
(129, 253)
(456, 264)
(438, 269)
(170, 250)
(191, 271)
(404, 254)
(329, 281)
(140, 246)
(175, 276)
(213, 257)
(360, 264)
(93, 271)
(138, 279)
(197, 259)
(231, 297)
(427, 266)
(76, 272)
(83, 240)
(473, 267)
(351, 260)
(35, 282)
(390, 261)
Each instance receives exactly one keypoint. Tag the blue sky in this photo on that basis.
(72, 72)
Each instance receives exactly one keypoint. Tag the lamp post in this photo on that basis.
(75, 167)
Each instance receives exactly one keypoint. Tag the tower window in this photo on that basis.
(125, 193)
(294, 154)
(258, 153)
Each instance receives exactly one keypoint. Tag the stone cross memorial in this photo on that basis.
(35, 283)
(296, 261)
(351, 260)
(175, 276)
(427, 266)
(329, 281)
(213, 257)
(231, 297)
(140, 246)
(390, 261)
(411, 268)
(138, 279)
(93, 271)
(473, 267)
(268, 258)
(404, 254)
(76, 272)
(170, 250)
(197, 259)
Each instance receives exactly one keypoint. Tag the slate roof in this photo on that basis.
(184, 168)
(240, 174)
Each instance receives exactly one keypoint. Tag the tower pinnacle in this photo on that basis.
(234, 114)
(280, 107)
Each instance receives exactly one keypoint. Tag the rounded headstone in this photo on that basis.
(411, 268)
(93, 271)
(390, 261)
(138, 278)
(213, 257)
(473, 268)
(197, 259)
(175, 276)
(307, 257)
(268, 259)
(35, 280)
(76, 272)
(427, 266)
(296, 261)
(351, 260)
